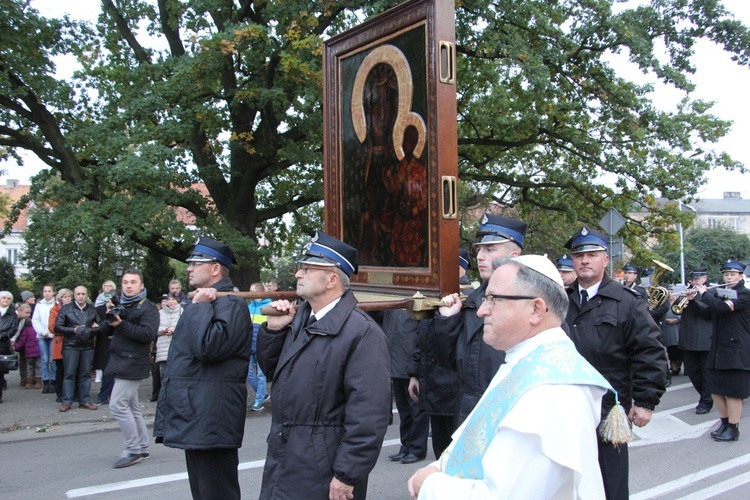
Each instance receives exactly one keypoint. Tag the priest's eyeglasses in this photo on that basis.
(490, 299)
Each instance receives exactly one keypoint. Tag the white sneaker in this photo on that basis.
(98, 376)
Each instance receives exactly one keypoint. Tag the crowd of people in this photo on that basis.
(479, 374)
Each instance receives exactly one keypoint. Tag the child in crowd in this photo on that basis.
(27, 341)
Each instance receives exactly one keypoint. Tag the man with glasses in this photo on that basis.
(202, 400)
(331, 393)
(456, 328)
(532, 433)
(611, 327)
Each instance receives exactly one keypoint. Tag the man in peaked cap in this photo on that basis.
(456, 328)
(630, 273)
(329, 363)
(695, 340)
(566, 270)
(611, 327)
(464, 263)
(208, 360)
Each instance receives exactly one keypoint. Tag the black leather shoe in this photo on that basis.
(397, 457)
(702, 410)
(411, 458)
(718, 431)
(728, 434)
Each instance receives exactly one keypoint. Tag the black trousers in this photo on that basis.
(442, 428)
(414, 427)
(213, 473)
(695, 369)
(615, 467)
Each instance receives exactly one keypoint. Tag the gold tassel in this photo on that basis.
(616, 428)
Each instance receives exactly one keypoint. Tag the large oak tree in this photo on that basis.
(228, 93)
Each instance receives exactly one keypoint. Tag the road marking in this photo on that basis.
(683, 481)
(167, 478)
(719, 488)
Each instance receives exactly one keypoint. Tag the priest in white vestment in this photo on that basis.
(533, 433)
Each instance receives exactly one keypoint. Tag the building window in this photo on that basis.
(13, 256)
(712, 223)
(736, 224)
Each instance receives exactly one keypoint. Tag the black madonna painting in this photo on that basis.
(383, 168)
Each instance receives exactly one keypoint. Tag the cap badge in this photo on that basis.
(584, 231)
(484, 219)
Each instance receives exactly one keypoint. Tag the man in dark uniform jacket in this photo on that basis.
(457, 330)
(202, 400)
(630, 273)
(612, 328)
(331, 392)
(695, 341)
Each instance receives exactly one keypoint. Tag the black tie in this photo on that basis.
(584, 297)
(312, 319)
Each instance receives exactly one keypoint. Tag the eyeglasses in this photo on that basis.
(196, 264)
(489, 299)
(305, 268)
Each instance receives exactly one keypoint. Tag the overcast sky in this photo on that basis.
(717, 78)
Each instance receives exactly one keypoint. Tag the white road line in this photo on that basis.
(719, 488)
(672, 388)
(683, 481)
(168, 478)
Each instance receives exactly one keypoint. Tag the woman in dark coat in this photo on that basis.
(8, 327)
(729, 356)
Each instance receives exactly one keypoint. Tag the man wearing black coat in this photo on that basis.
(132, 328)
(456, 328)
(331, 392)
(202, 402)
(611, 327)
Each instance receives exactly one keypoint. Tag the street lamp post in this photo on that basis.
(682, 244)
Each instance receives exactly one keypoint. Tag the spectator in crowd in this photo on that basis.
(40, 321)
(511, 446)
(272, 285)
(101, 348)
(133, 327)
(255, 376)
(169, 315)
(612, 328)
(156, 377)
(456, 336)
(8, 328)
(27, 342)
(64, 296)
(329, 364)
(414, 424)
(28, 297)
(20, 352)
(175, 288)
(208, 359)
(77, 323)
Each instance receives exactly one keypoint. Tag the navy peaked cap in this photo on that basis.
(498, 229)
(587, 240)
(325, 250)
(209, 250)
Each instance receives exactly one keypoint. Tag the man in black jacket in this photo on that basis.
(77, 323)
(203, 395)
(132, 328)
(695, 341)
(611, 327)
(457, 330)
(331, 392)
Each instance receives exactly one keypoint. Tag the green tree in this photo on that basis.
(156, 273)
(710, 248)
(228, 94)
(8, 279)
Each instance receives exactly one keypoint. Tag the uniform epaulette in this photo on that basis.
(632, 290)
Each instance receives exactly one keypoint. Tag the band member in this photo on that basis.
(695, 339)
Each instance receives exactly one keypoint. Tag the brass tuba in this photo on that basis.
(658, 295)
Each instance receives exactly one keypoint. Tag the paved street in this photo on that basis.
(47, 454)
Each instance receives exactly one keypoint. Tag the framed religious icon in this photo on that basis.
(390, 148)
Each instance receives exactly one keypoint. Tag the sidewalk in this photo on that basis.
(28, 414)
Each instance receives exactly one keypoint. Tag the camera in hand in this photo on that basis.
(115, 310)
(113, 298)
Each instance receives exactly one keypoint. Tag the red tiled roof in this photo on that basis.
(14, 192)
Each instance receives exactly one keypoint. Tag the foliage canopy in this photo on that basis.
(228, 93)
